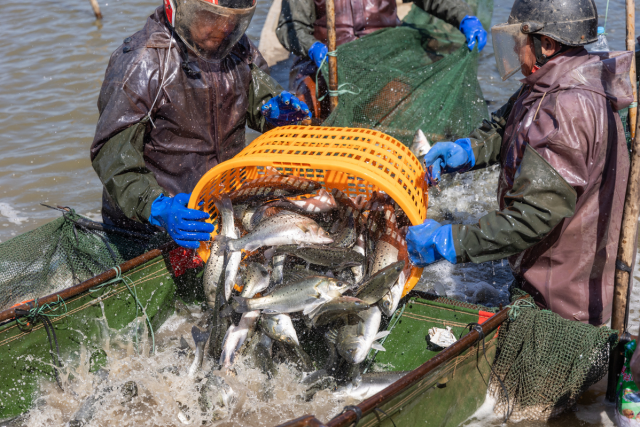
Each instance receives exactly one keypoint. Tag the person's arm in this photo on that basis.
(486, 141)
(117, 149)
(295, 26)
(450, 11)
(552, 174)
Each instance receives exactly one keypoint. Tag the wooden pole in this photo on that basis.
(96, 8)
(631, 45)
(627, 245)
(333, 60)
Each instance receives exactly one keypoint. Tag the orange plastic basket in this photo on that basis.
(355, 161)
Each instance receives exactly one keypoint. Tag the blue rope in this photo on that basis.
(127, 281)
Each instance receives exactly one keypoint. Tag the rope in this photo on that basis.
(606, 14)
(26, 318)
(132, 290)
(340, 90)
(517, 305)
(386, 415)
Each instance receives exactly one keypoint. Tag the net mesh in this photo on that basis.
(388, 83)
(59, 254)
(546, 362)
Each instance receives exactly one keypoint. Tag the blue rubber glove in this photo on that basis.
(430, 242)
(447, 157)
(473, 30)
(184, 225)
(285, 109)
(317, 52)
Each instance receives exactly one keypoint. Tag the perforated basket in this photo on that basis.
(355, 161)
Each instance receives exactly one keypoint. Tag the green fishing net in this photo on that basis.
(544, 362)
(419, 75)
(59, 254)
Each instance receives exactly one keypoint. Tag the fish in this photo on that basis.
(285, 228)
(327, 256)
(233, 258)
(200, 338)
(279, 327)
(389, 303)
(256, 279)
(257, 354)
(302, 295)
(87, 410)
(371, 383)
(354, 341)
(216, 263)
(347, 233)
(359, 270)
(277, 272)
(373, 289)
(335, 309)
(216, 397)
(346, 204)
(420, 145)
(273, 186)
(321, 203)
(236, 336)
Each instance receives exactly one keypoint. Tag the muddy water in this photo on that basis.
(53, 59)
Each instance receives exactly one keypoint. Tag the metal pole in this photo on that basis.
(333, 60)
(631, 46)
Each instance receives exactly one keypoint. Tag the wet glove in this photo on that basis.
(317, 52)
(183, 225)
(473, 30)
(430, 242)
(285, 109)
(447, 157)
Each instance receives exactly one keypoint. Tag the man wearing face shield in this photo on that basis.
(302, 30)
(564, 164)
(174, 103)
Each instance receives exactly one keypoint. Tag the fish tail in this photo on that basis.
(198, 335)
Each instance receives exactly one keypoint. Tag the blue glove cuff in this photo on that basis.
(465, 143)
(159, 205)
(467, 18)
(443, 238)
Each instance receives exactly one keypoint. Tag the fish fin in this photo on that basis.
(226, 310)
(378, 346)
(332, 335)
(381, 334)
(222, 244)
(312, 307)
(198, 335)
(239, 304)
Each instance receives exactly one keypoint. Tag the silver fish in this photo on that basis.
(216, 397)
(358, 270)
(277, 273)
(327, 256)
(372, 290)
(85, 414)
(225, 209)
(420, 146)
(256, 279)
(200, 333)
(336, 308)
(236, 336)
(215, 264)
(322, 202)
(389, 303)
(302, 295)
(371, 383)
(354, 341)
(285, 228)
(279, 327)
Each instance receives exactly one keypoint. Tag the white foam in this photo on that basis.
(11, 214)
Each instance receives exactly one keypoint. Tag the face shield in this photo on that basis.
(510, 48)
(210, 30)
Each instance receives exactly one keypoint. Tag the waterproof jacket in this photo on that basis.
(162, 128)
(304, 22)
(564, 168)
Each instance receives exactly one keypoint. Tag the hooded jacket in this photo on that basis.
(162, 128)
(564, 168)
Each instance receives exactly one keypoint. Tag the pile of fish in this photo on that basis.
(294, 260)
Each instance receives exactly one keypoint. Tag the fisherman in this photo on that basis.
(302, 30)
(174, 103)
(564, 164)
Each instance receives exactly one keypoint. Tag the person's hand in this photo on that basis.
(447, 157)
(430, 242)
(184, 225)
(473, 31)
(317, 52)
(285, 109)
